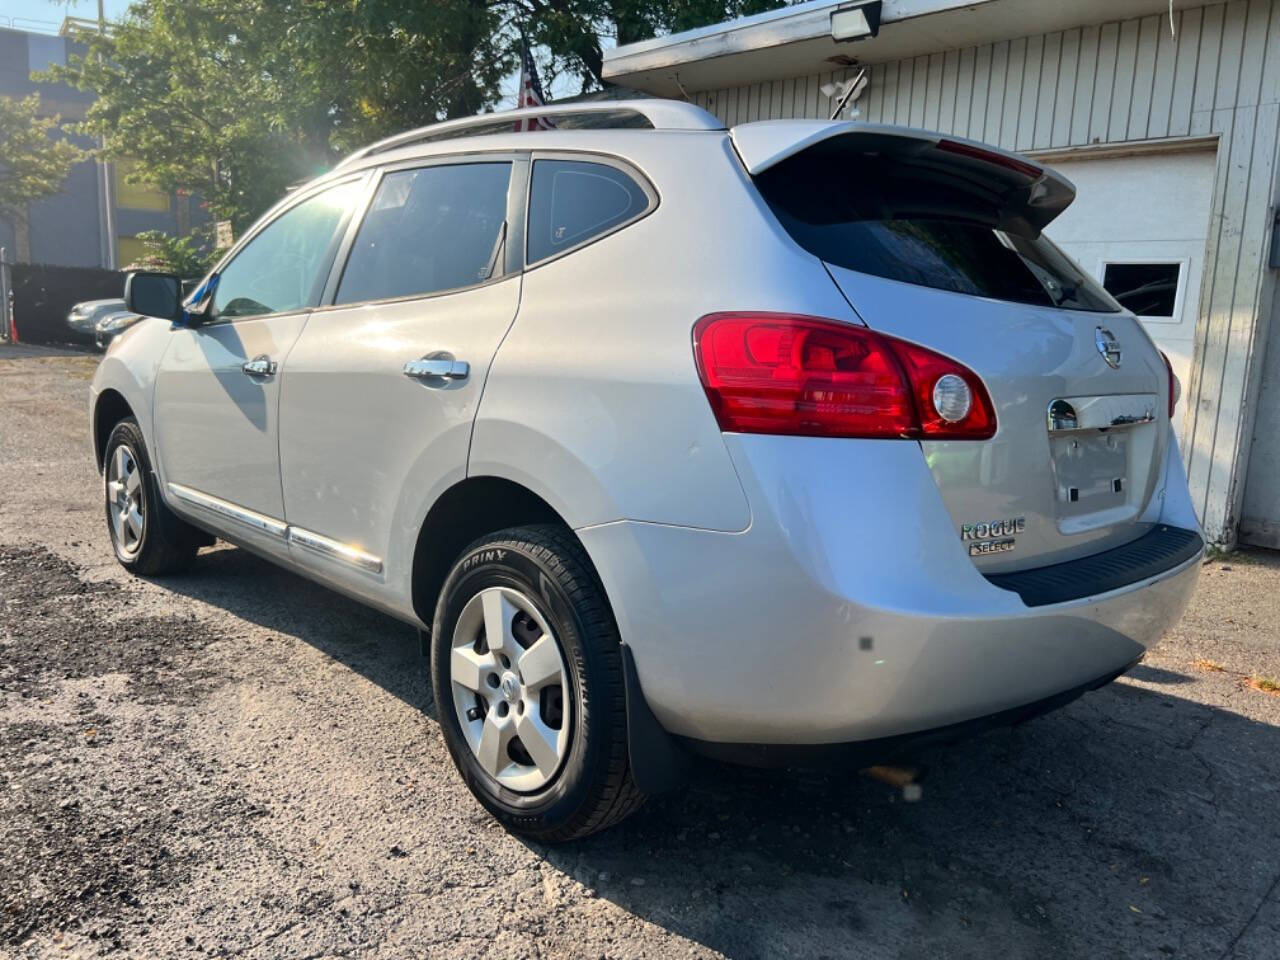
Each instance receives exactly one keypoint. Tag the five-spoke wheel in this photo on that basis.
(526, 665)
(147, 537)
(124, 500)
(509, 688)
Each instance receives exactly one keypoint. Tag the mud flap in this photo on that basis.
(658, 763)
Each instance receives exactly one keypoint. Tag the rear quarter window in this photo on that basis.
(572, 202)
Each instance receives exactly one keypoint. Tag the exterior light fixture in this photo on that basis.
(855, 21)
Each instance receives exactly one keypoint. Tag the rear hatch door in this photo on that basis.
(939, 242)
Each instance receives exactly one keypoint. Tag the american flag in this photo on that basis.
(530, 91)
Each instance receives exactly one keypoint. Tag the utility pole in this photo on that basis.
(108, 204)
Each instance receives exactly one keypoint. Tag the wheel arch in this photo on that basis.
(481, 505)
(110, 408)
(468, 510)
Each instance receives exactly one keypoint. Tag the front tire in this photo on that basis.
(147, 537)
(526, 667)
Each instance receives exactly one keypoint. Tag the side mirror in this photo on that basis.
(154, 295)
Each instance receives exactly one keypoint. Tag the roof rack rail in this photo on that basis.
(662, 114)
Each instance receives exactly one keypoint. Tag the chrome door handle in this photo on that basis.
(437, 368)
(260, 366)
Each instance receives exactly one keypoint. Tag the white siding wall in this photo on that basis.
(1114, 83)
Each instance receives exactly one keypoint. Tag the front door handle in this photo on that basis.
(260, 366)
(437, 368)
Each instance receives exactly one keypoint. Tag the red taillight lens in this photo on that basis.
(777, 373)
(1175, 388)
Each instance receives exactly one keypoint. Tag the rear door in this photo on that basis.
(940, 244)
(381, 389)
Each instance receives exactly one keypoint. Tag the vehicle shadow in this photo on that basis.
(1134, 822)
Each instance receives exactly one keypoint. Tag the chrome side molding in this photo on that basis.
(325, 546)
(231, 511)
(335, 550)
(1102, 413)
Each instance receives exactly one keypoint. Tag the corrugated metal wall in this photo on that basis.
(1114, 83)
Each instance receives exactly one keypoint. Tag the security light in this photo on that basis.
(856, 21)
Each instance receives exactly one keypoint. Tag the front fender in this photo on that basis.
(129, 368)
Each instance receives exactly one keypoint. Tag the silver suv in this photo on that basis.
(788, 443)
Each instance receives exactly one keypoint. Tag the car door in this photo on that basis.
(380, 392)
(217, 389)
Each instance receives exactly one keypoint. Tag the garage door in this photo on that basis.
(1139, 225)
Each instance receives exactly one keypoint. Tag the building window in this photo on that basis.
(131, 250)
(137, 196)
(1148, 289)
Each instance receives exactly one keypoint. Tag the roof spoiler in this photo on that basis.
(1035, 194)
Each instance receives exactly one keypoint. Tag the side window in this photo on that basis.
(428, 230)
(572, 201)
(278, 269)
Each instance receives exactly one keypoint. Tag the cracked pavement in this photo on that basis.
(236, 762)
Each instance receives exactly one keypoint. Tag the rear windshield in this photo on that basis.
(910, 222)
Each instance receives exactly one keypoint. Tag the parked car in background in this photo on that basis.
(111, 326)
(84, 317)
(783, 444)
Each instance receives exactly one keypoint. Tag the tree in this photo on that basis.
(32, 163)
(572, 34)
(183, 256)
(238, 99)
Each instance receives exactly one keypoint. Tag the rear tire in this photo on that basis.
(148, 538)
(536, 585)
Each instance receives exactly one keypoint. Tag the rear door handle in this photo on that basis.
(437, 368)
(260, 366)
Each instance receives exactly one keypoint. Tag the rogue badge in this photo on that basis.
(996, 536)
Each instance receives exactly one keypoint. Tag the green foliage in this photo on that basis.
(188, 257)
(32, 163)
(238, 99)
(570, 33)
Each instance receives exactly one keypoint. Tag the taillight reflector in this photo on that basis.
(785, 374)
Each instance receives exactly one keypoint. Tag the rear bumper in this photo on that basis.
(862, 753)
(848, 610)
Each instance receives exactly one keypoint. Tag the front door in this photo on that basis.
(217, 390)
(380, 392)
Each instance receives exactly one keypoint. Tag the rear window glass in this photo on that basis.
(892, 220)
(573, 201)
(428, 230)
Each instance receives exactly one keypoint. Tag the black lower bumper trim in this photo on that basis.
(1150, 555)
(863, 753)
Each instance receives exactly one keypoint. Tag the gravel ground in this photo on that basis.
(238, 763)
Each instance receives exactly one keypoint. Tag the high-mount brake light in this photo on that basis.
(992, 157)
(784, 374)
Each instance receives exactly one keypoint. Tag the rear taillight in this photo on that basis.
(1175, 387)
(778, 373)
